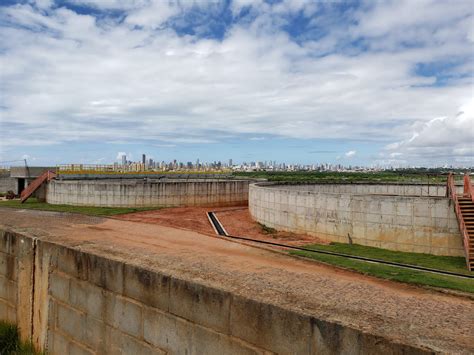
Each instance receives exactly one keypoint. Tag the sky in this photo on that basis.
(344, 82)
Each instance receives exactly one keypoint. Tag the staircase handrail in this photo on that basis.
(451, 193)
(46, 176)
(468, 188)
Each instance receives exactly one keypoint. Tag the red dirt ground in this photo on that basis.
(236, 220)
(399, 312)
(190, 218)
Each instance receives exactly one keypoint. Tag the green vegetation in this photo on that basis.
(10, 343)
(267, 230)
(447, 263)
(33, 204)
(419, 175)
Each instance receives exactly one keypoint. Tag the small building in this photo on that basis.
(20, 176)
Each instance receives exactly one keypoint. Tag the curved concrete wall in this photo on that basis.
(140, 193)
(391, 216)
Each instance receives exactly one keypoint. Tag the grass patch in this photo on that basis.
(10, 343)
(33, 204)
(267, 230)
(447, 263)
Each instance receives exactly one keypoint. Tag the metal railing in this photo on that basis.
(110, 169)
(468, 188)
(451, 193)
(35, 184)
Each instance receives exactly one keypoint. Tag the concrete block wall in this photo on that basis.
(16, 274)
(139, 193)
(89, 304)
(8, 281)
(405, 223)
(8, 183)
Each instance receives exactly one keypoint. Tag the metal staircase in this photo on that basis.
(35, 185)
(464, 207)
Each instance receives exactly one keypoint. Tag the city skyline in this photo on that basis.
(352, 83)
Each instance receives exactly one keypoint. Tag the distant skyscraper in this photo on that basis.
(143, 159)
(230, 162)
(124, 159)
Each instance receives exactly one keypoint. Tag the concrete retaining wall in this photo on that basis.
(8, 183)
(385, 216)
(370, 189)
(142, 193)
(79, 303)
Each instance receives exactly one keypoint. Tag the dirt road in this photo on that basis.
(405, 313)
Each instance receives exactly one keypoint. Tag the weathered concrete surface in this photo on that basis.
(368, 188)
(30, 172)
(7, 183)
(108, 284)
(141, 193)
(413, 218)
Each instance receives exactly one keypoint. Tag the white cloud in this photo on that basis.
(441, 138)
(89, 79)
(164, 145)
(154, 14)
(350, 153)
(111, 4)
(43, 4)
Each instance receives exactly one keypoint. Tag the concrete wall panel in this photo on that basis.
(385, 216)
(139, 193)
(8, 183)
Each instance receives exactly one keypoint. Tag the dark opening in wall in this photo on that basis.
(21, 185)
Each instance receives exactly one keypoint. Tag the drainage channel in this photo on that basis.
(219, 229)
(216, 224)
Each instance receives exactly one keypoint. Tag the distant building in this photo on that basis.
(124, 159)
